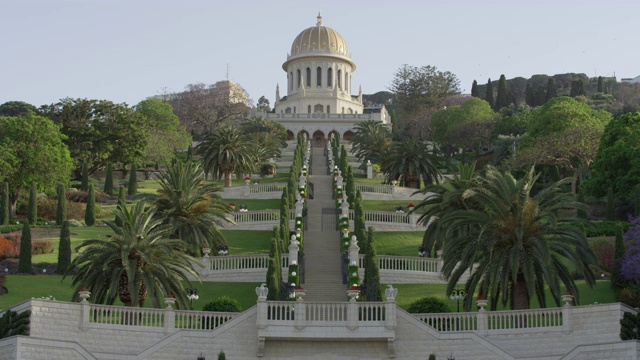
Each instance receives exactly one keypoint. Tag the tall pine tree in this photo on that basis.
(373, 289)
(64, 249)
(600, 84)
(32, 209)
(108, 180)
(552, 89)
(474, 89)
(489, 95)
(84, 185)
(90, 211)
(502, 99)
(529, 97)
(133, 181)
(24, 261)
(61, 211)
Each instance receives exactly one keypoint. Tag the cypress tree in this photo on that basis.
(577, 88)
(64, 249)
(617, 281)
(32, 210)
(189, 153)
(24, 262)
(502, 99)
(600, 84)
(133, 181)
(372, 270)
(344, 161)
(90, 211)
(474, 89)
(4, 205)
(274, 272)
(489, 94)
(529, 98)
(122, 201)
(84, 185)
(61, 212)
(351, 187)
(540, 96)
(552, 89)
(108, 180)
(611, 209)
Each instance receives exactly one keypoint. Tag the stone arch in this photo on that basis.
(334, 134)
(303, 132)
(318, 138)
(290, 135)
(348, 135)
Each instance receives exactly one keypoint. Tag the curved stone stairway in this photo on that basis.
(323, 277)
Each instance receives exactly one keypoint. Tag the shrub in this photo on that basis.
(630, 296)
(604, 250)
(223, 304)
(39, 247)
(77, 196)
(8, 248)
(605, 228)
(222, 356)
(428, 305)
(630, 326)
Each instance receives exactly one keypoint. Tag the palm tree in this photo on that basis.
(194, 210)
(443, 198)
(513, 242)
(370, 140)
(226, 152)
(268, 136)
(138, 261)
(411, 160)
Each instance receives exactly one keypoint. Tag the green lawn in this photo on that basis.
(254, 204)
(78, 234)
(248, 241)
(398, 243)
(388, 205)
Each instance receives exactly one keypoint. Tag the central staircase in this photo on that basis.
(323, 274)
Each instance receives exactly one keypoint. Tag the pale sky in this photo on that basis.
(125, 51)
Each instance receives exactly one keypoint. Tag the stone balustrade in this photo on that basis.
(406, 263)
(390, 220)
(238, 268)
(265, 188)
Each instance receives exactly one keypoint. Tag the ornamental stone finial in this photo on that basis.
(262, 291)
(390, 292)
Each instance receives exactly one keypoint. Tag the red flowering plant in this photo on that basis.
(171, 295)
(354, 287)
(569, 292)
(481, 297)
(82, 288)
(247, 178)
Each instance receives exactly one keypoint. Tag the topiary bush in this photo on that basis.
(428, 305)
(630, 326)
(223, 304)
(12, 323)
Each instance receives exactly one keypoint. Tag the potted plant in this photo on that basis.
(481, 301)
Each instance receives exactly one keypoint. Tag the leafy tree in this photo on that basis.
(61, 211)
(600, 84)
(540, 96)
(630, 266)
(90, 210)
(474, 89)
(617, 164)
(64, 249)
(108, 180)
(24, 262)
(267, 137)
(552, 90)
(132, 187)
(32, 209)
(577, 88)
(203, 109)
(529, 97)
(611, 207)
(263, 104)
(226, 152)
(416, 88)
(489, 95)
(166, 136)
(32, 150)
(513, 120)
(467, 126)
(4, 205)
(513, 242)
(16, 108)
(617, 280)
(562, 113)
(502, 98)
(138, 261)
(195, 213)
(370, 140)
(99, 131)
(411, 161)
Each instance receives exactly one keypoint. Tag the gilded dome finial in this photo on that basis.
(319, 23)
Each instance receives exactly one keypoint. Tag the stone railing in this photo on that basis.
(258, 219)
(265, 188)
(390, 220)
(238, 268)
(375, 188)
(500, 322)
(406, 263)
(166, 320)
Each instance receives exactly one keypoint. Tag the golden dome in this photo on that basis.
(319, 40)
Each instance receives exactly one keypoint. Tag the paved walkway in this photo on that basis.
(323, 277)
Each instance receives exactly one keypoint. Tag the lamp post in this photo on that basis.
(457, 295)
(192, 294)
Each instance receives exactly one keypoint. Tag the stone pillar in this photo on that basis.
(369, 170)
(352, 314)
(353, 250)
(344, 208)
(85, 314)
(413, 220)
(261, 321)
(483, 322)
(169, 320)
(247, 188)
(301, 314)
(293, 250)
(390, 307)
(567, 309)
(394, 190)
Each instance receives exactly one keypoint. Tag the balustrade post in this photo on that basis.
(85, 314)
(261, 321)
(390, 308)
(247, 188)
(300, 314)
(169, 320)
(483, 322)
(566, 317)
(352, 314)
(369, 170)
(394, 191)
(413, 220)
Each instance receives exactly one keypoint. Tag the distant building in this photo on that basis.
(225, 91)
(635, 80)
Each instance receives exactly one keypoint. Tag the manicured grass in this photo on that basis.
(78, 235)
(255, 204)
(24, 287)
(245, 242)
(398, 243)
(409, 293)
